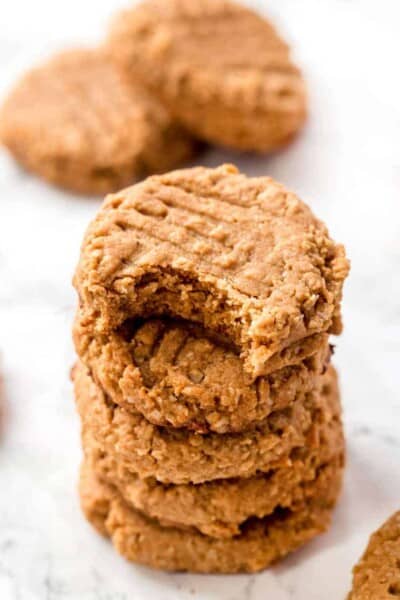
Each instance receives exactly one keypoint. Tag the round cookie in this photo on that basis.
(241, 256)
(260, 543)
(218, 508)
(175, 374)
(220, 68)
(180, 456)
(77, 122)
(377, 575)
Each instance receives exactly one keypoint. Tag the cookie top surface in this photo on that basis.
(377, 575)
(242, 256)
(208, 54)
(77, 121)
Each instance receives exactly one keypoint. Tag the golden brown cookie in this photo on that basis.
(176, 375)
(218, 508)
(180, 456)
(260, 543)
(78, 123)
(241, 256)
(220, 68)
(377, 575)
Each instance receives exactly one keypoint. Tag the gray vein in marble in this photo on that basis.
(367, 431)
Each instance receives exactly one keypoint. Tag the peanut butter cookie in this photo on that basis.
(220, 68)
(180, 456)
(176, 375)
(260, 542)
(218, 508)
(77, 122)
(241, 256)
(377, 575)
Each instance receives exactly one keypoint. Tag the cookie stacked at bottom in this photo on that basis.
(219, 525)
(192, 461)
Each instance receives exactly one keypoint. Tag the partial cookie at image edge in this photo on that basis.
(78, 123)
(377, 575)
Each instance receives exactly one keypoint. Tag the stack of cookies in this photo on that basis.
(211, 419)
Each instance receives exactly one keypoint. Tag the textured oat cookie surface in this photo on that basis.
(218, 508)
(377, 575)
(220, 68)
(260, 542)
(176, 375)
(242, 256)
(78, 123)
(180, 456)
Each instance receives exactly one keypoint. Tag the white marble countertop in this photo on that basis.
(347, 166)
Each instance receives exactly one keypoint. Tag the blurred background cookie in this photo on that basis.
(220, 68)
(77, 122)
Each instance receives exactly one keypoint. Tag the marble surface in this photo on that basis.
(347, 166)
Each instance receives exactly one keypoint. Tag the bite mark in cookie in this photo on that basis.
(177, 374)
(241, 256)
